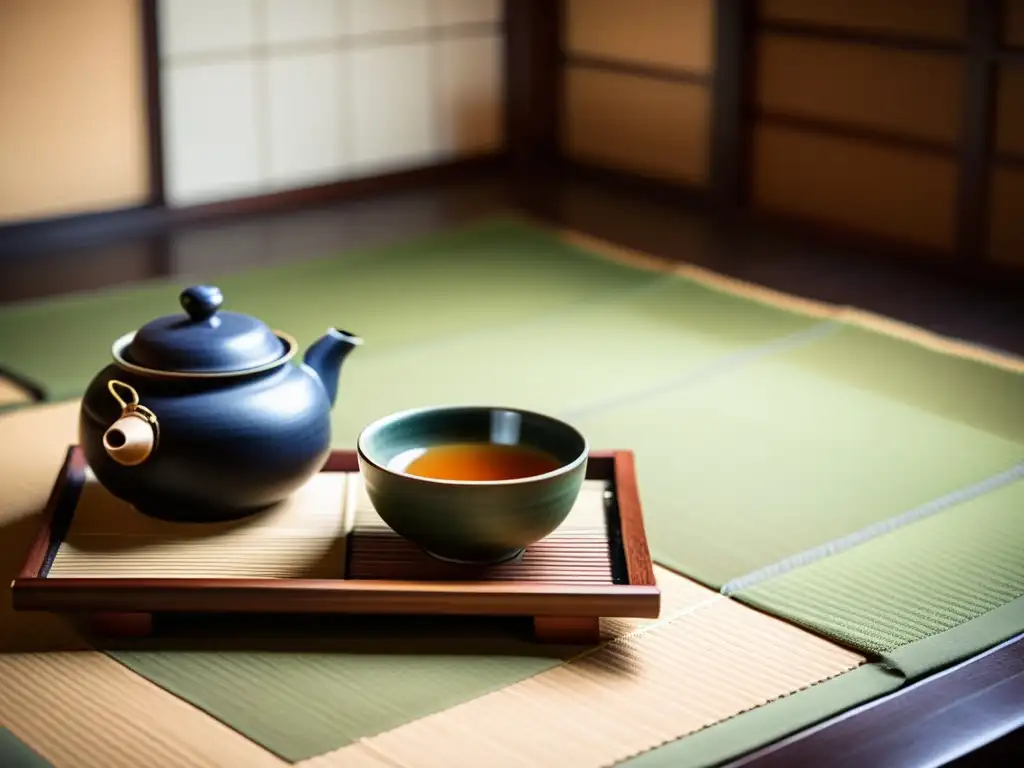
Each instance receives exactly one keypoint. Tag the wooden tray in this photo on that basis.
(326, 551)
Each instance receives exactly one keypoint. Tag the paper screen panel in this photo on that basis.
(646, 126)
(1006, 225)
(1013, 26)
(941, 20)
(856, 185)
(900, 92)
(453, 12)
(675, 34)
(1010, 111)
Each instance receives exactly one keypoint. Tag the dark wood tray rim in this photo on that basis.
(638, 597)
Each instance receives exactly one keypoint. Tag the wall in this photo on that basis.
(72, 108)
(636, 86)
(861, 136)
(264, 95)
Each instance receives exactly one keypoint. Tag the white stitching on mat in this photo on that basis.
(808, 556)
(710, 600)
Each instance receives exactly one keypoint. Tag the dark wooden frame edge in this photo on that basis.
(731, 147)
(975, 160)
(967, 714)
(533, 83)
(154, 105)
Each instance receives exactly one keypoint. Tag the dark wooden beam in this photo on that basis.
(858, 37)
(533, 78)
(1008, 160)
(847, 130)
(154, 119)
(1009, 57)
(730, 100)
(983, 24)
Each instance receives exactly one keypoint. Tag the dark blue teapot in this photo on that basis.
(203, 416)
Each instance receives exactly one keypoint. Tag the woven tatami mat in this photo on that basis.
(809, 445)
(309, 696)
(713, 660)
(84, 710)
(696, 657)
(76, 707)
(913, 583)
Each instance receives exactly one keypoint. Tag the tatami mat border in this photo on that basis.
(818, 309)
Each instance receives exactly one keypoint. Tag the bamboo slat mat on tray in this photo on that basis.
(303, 537)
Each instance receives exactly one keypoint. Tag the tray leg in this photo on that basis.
(120, 624)
(569, 630)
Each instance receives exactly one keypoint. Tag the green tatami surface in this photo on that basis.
(915, 582)
(362, 677)
(432, 288)
(14, 753)
(756, 464)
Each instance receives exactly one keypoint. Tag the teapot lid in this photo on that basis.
(204, 340)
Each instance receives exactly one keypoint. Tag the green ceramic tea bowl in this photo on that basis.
(471, 521)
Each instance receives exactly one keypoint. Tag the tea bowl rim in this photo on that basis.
(391, 418)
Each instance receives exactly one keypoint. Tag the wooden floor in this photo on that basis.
(991, 315)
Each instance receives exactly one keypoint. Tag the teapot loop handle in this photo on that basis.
(127, 441)
(132, 404)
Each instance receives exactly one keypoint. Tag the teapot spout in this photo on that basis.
(324, 358)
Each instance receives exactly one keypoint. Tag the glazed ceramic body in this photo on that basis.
(225, 447)
(471, 521)
(203, 416)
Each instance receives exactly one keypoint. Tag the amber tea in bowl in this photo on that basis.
(481, 462)
(472, 483)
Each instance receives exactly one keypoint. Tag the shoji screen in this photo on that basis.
(264, 95)
(636, 93)
(1006, 230)
(858, 115)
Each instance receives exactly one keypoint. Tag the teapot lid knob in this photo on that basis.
(201, 302)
